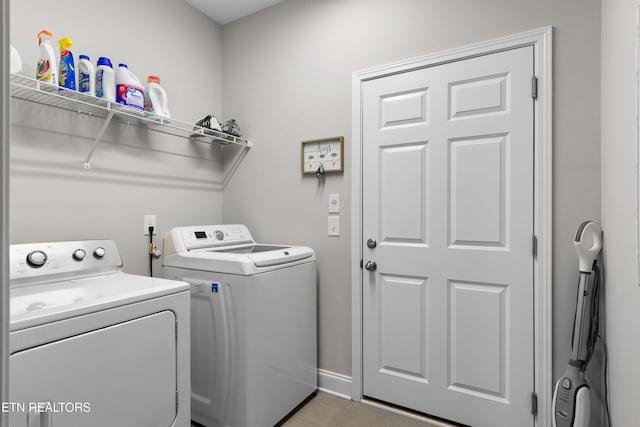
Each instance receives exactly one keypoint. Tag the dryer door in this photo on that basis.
(121, 375)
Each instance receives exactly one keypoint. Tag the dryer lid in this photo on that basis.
(48, 302)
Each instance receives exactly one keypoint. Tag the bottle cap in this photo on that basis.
(65, 43)
(153, 79)
(43, 33)
(123, 65)
(103, 60)
(84, 57)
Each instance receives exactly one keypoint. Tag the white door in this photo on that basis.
(448, 198)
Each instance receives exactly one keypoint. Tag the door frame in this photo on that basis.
(541, 40)
(5, 105)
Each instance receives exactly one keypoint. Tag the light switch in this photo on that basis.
(334, 203)
(334, 225)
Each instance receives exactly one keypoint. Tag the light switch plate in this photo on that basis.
(334, 203)
(334, 225)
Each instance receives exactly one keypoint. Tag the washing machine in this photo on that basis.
(253, 324)
(91, 345)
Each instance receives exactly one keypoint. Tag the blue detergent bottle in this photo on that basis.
(67, 67)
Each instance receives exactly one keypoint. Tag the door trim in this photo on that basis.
(5, 106)
(541, 40)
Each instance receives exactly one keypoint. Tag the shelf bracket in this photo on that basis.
(233, 163)
(107, 120)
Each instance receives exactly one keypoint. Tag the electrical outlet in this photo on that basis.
(150, 221)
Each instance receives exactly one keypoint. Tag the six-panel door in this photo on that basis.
(448, 196)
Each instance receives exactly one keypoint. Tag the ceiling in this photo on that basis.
(225, 11)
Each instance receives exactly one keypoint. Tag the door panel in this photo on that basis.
(478, 96)
(477, 173)
(404, 108)
(477, 345)
(448, 192)
(403, 338)
(403, 198)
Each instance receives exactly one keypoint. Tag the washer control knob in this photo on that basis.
(219, 235)
(36, 259)
(79, 254)
(99, 252)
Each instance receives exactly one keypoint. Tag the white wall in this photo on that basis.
(619, 141)
(134, 172)
(287, 77)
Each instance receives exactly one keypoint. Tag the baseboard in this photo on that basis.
(337, 384)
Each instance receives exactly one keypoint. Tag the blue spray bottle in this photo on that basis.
(67, 66)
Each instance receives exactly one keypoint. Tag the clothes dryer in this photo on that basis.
(91, 345)
(253, 324)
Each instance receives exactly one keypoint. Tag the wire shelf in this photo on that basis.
(32, 90)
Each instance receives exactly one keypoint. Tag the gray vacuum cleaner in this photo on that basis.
(571, 400)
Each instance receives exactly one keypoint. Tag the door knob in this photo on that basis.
(371, 266)
(371, 243)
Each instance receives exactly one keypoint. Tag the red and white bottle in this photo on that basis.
(129, 91)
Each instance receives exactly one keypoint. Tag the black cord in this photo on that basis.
(594, 325)
(606, 380)
(594, 336)
(151, 251)
(575, 312)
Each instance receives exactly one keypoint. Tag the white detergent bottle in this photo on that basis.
(105, 80)
(155, 99)
(16, 62)
(129, 91)
(86, 76)
(47, 69)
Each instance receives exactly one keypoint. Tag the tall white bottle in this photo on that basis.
(155, 99)
(86, 76)
(47, 68)
(105, 80)
(16, 62)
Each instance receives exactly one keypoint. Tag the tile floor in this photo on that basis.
(327, 410)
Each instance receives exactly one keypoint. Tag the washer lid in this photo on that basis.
(251, 249)
(49, 302)
(240, 259)
(227, 248)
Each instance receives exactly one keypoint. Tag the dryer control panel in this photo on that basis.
(33, 263)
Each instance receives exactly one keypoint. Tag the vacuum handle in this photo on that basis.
(588, 243)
